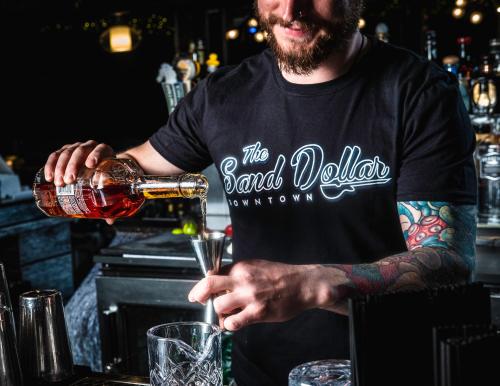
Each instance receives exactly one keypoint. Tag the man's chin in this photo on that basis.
(294, 45)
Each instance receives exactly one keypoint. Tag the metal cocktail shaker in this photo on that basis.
(44, 348)
(10, 371)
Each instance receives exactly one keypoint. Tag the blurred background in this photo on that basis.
(60, 84)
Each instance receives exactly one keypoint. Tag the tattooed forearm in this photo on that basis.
(420, 268)
(441, 249)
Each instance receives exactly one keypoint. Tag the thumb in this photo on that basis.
(110, 221)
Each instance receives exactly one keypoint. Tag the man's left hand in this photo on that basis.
(261, 291)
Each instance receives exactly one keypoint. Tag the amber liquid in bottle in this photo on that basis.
(111, 201)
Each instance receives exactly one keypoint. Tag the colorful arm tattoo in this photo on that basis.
(441, 250)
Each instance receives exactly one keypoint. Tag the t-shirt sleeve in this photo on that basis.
(436, 163)
(181, 140)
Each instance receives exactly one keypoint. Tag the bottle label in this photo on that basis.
(71, 200)
(66, 190)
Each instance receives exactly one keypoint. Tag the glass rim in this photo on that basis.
(337, 362)
(150, 333)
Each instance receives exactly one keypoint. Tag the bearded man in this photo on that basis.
(347, 165)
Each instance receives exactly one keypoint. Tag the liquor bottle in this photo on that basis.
(115, 188)
(486, 71)
(200, 52)
(485, 137)
(466, 67)
(484, 96)
(192, 50)
(187, 70)
(450, 64)
(489, 186)
(430, 46)
(495, 54)
(495, 58)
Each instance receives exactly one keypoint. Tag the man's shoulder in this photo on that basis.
(247, 72)
(408, 67)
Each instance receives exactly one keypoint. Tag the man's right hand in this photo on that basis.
(64, 164)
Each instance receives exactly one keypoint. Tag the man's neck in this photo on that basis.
(336, 65)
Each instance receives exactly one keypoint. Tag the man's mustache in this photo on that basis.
(305, 24)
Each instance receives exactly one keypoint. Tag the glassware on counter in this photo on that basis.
(185, 353)
(327, 372)
(5, 296)
(10, 370)
(489, 185)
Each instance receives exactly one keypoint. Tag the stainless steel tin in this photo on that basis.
(44, 348)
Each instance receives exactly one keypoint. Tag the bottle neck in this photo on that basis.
(185, 185)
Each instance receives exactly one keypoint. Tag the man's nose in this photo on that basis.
(292, 10)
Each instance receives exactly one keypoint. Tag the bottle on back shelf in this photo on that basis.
(484, 89)
(115, 188)
(200, 51)
(430, 48)
(192, 50)
(451, 64)
(495, 54)
(466, 67)
(495, 62)
(489, 185)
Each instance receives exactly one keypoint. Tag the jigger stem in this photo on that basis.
(210, 315)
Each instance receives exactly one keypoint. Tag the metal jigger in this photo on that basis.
(208, 249)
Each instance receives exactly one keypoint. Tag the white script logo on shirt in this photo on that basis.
(309, 170)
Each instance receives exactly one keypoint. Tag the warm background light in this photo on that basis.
(461, 3)
(259, 37)
(476, 17)
(232, 34)
(458, 13)
(120, 38)
(361, 23)
(252, 22)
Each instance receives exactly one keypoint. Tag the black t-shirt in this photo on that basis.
(312, 174)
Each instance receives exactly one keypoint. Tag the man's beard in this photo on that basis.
(301, 60)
